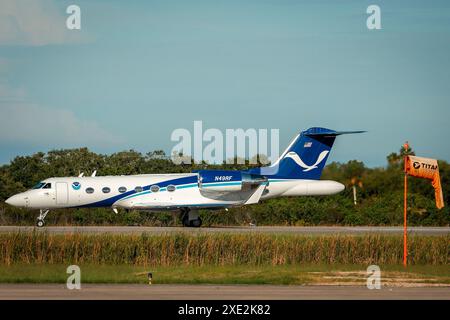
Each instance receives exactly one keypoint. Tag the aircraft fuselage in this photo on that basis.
(157, 192)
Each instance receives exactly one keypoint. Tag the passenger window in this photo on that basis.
(106, 190)
(138, 189)
(154, 188)
(122, 189)
(171, 188)
(89, 190)
(47, 186)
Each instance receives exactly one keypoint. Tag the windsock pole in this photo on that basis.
(405, 207)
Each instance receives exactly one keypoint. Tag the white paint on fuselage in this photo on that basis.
(185, 195)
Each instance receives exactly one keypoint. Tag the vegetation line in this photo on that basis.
(218, 249)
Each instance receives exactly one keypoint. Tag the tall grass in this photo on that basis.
(218, 249)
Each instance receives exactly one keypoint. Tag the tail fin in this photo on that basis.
(305, 157)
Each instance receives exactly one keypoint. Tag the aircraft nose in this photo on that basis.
(15, 201)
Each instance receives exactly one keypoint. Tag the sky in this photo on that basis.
(138, 70)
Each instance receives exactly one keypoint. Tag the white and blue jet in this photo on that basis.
(295, 173)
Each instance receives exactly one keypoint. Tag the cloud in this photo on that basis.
(34, 23)
(8, 94)
(24, 122)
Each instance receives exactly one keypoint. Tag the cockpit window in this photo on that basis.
(47, 186)
(39, 185)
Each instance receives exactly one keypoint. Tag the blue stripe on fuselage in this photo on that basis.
(180, 183)
(181, 186)
(110, 201)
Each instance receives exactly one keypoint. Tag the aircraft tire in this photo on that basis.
(40, 223)
(196, 223)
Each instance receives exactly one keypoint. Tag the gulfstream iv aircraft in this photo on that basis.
(295, 173)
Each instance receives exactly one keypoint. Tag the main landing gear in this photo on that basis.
(190, 218)
(40, 220)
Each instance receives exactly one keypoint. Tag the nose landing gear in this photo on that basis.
(40, 220)
(190, 219)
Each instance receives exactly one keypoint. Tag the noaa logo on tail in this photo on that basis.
(294, 156)
(76, 186)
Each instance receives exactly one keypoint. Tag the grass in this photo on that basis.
(210, 249)
(279, 275)
(220, 258)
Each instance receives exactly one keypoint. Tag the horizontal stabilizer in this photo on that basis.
(311, 132)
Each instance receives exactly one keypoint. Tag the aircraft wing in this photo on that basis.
(254, 198)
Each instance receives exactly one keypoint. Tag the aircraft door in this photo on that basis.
(62, 194)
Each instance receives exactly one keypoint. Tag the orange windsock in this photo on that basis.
(428, 169)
